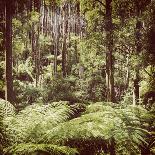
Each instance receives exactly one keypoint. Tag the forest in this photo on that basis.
(77, 77)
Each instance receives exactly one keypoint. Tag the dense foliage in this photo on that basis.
(100, 128)
(77, 77)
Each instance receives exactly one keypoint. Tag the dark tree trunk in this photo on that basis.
(9, 95)
(57, 32)
(138, 51)
(109, 53)
(38, 55)
(64, 46)
(69, 57)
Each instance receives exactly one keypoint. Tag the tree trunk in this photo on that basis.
(127, 73)
(109, 53)
(69, 57)
(64, 46)
(57, 32)
(38, 57)
(138, 51)
(9, 94)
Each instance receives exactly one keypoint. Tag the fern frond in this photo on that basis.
(29, 149)
(31, 123)
(98, 107)
(99, 126)
(6, 109)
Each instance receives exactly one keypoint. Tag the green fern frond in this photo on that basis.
(97, 107)
(102, 125)
(95, 128)
(6, 109)
(29, 149)
(31, 123)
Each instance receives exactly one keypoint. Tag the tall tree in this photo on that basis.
(8, 55)
(109, 52)
(64, 46)
(140, 6)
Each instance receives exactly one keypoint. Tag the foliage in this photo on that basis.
(148, 82)
(63, 69)
(31, 123)
(49, 126)
(95, 130)
(27, 93)
(29, 149)
(61, 89)
(6, 109)
(1, 78)
(127, 99)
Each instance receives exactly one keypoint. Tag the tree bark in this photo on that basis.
(109, 53)
(138, 51)
(127, 73)
(64, 46)
(57, 32)
(9, 94)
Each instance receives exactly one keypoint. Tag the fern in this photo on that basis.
(99, 127)
(99, 106)
(6, 109)
(31, 123)
(2, 138)
(92, 132)
(30, 149)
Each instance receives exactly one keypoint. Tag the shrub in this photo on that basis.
(61, 90)
(28, 93)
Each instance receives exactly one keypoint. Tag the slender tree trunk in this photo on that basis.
(33, 42)
(38, 55)
(9, 94)
(69, 57)
(57, 32)
(127, 73)
(109, 54)
(77, 25)
(138, 51)
(64, 46)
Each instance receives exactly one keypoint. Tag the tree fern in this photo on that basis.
(32, 149)
(29, 124)
(99, 127)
